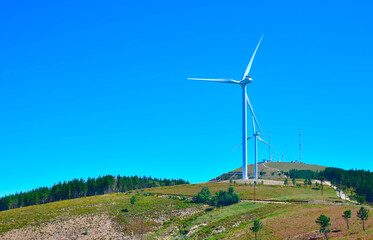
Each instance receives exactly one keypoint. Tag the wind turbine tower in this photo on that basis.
(269, 148)
(246, 79)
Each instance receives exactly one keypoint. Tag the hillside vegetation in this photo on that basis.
(172, 211)
(78, 188)
(166, 213)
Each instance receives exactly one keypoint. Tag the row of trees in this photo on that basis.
(77, 188)
(304, 174)
(324, 221)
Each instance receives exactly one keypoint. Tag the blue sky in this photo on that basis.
(95, 88)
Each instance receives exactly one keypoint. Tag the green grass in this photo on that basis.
(225, 212)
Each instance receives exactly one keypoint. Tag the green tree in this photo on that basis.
(361, 199)
(204, 196)
(133, 200)
(305, 182)
(256, 228)
(324, 223)
(309, 182)
(363, 214)
(346, 215)
(294, 182)
(322, 180)
(224, 198)
(286, 181)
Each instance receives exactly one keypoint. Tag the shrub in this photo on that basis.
(184, 197)
(204, 196)
(224, 198)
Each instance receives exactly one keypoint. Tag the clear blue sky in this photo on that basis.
(95, 88)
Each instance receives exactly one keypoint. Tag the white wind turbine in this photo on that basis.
(256, 135)
(246, 79)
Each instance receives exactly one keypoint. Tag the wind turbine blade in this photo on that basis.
(251, 60)
(215, 80)
(253, 125)
(252, 112)
(241, 143)
(265, 142)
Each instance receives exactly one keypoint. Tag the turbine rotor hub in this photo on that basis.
(246, 80)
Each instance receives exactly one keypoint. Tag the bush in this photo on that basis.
(224, 198)
(221, 198)
(204, 196)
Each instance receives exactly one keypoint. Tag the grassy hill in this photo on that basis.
(272, 170)
(160, 213)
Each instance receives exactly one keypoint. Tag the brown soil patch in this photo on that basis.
(81, 227)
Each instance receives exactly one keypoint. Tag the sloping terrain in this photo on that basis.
(165, 213)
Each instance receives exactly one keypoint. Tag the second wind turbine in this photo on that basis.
(246, 79)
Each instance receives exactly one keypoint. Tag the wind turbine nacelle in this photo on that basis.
(246, 80)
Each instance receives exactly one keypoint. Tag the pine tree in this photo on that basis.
(324, 223)
(363, 214)
(256, 228)
(133, 200)
(286, 181)
(346, 215)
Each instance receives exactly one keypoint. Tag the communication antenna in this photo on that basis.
(300, 145)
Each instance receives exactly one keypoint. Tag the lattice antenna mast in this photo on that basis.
(300, 145)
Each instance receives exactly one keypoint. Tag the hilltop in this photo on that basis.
(272, 170)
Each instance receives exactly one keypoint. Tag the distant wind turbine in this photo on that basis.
(246, 79)
(256, 135)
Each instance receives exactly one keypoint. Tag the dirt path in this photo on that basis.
(339, 192)
(278, 171)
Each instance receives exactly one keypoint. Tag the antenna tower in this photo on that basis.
(300, 145)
